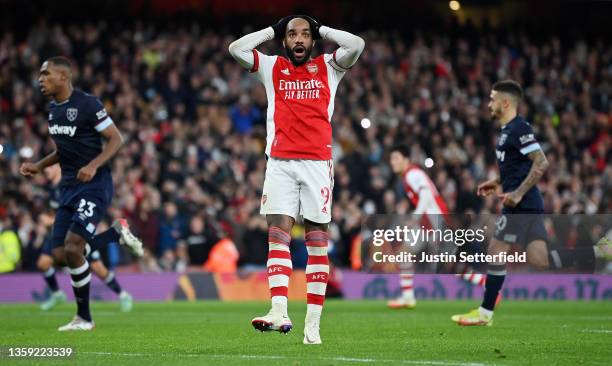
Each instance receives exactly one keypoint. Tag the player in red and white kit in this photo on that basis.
(426, 199)
(299, 174)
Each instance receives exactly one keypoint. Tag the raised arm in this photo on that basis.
(350, 49)
(242, 48)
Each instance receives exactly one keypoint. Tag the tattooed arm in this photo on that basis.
(539, 166)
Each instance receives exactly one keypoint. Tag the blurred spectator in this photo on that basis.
(197, 244)
(244, 115)
(254, 251)
(193, 120)
(10, 252)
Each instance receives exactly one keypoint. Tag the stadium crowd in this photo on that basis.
(192, 168)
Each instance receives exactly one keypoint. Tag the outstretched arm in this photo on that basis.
(242, 48)
(350, 49)
(31, 169)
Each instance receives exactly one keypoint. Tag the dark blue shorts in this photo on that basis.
(81, 209)
(520, 227)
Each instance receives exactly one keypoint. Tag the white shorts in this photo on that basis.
(298, 187)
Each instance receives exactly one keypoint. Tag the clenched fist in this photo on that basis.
(86, 173)
(29, 169)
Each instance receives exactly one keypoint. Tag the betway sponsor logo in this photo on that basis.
(62, 130)
(300, 84)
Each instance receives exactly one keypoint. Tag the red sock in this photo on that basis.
(279, 265)
(317, 270)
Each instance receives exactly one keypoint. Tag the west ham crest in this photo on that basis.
(312, 68)
(71, 114)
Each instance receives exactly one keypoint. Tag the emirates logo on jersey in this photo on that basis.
(301, 89)
(312, 68)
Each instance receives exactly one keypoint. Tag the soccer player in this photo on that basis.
(426, 200)
(45, 261)
(299, 174)
(76, 123)
(521, 165)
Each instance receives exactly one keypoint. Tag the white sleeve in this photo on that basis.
(426, 200)
(417, 181)
(262, 68)
(350, 49)
(243, 48)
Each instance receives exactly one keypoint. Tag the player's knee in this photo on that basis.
(73, 251)
(539, 262)
(315, 226)
(44, 263)
(98, 268)
(282, 222)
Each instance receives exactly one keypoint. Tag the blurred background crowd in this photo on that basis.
(192, 168)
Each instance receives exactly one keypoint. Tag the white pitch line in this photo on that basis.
(271, 357)
(549, 316)
(607, 331)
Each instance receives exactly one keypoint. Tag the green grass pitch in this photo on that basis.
(353, 332)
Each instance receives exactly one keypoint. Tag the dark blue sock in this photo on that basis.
(100, 241)
(51, 280)
(80, 284)
(111, 282)
(495, 279)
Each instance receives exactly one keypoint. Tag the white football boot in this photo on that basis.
(125, 301)
(402, 303)
(127, 238)
(311, 332)
(55, 299)
(77, 323)
(273, 321)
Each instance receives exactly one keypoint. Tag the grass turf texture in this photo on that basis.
(354, 333)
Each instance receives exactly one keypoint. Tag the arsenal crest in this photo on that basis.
(312, 68)
(71, 114)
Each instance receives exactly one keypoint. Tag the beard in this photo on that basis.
(495, 113)
(296, 62)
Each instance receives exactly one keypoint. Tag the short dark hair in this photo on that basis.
(60, 61)
(301, 16)
(402, 149)
(510, 87)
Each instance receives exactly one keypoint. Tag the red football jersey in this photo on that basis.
(300, 105)
(415, 180)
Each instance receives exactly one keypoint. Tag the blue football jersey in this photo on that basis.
(516, 141)
(75, 127)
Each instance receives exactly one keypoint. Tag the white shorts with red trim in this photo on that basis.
(298, 188)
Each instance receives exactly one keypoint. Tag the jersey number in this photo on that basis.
(87, 211)
(326, 193)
